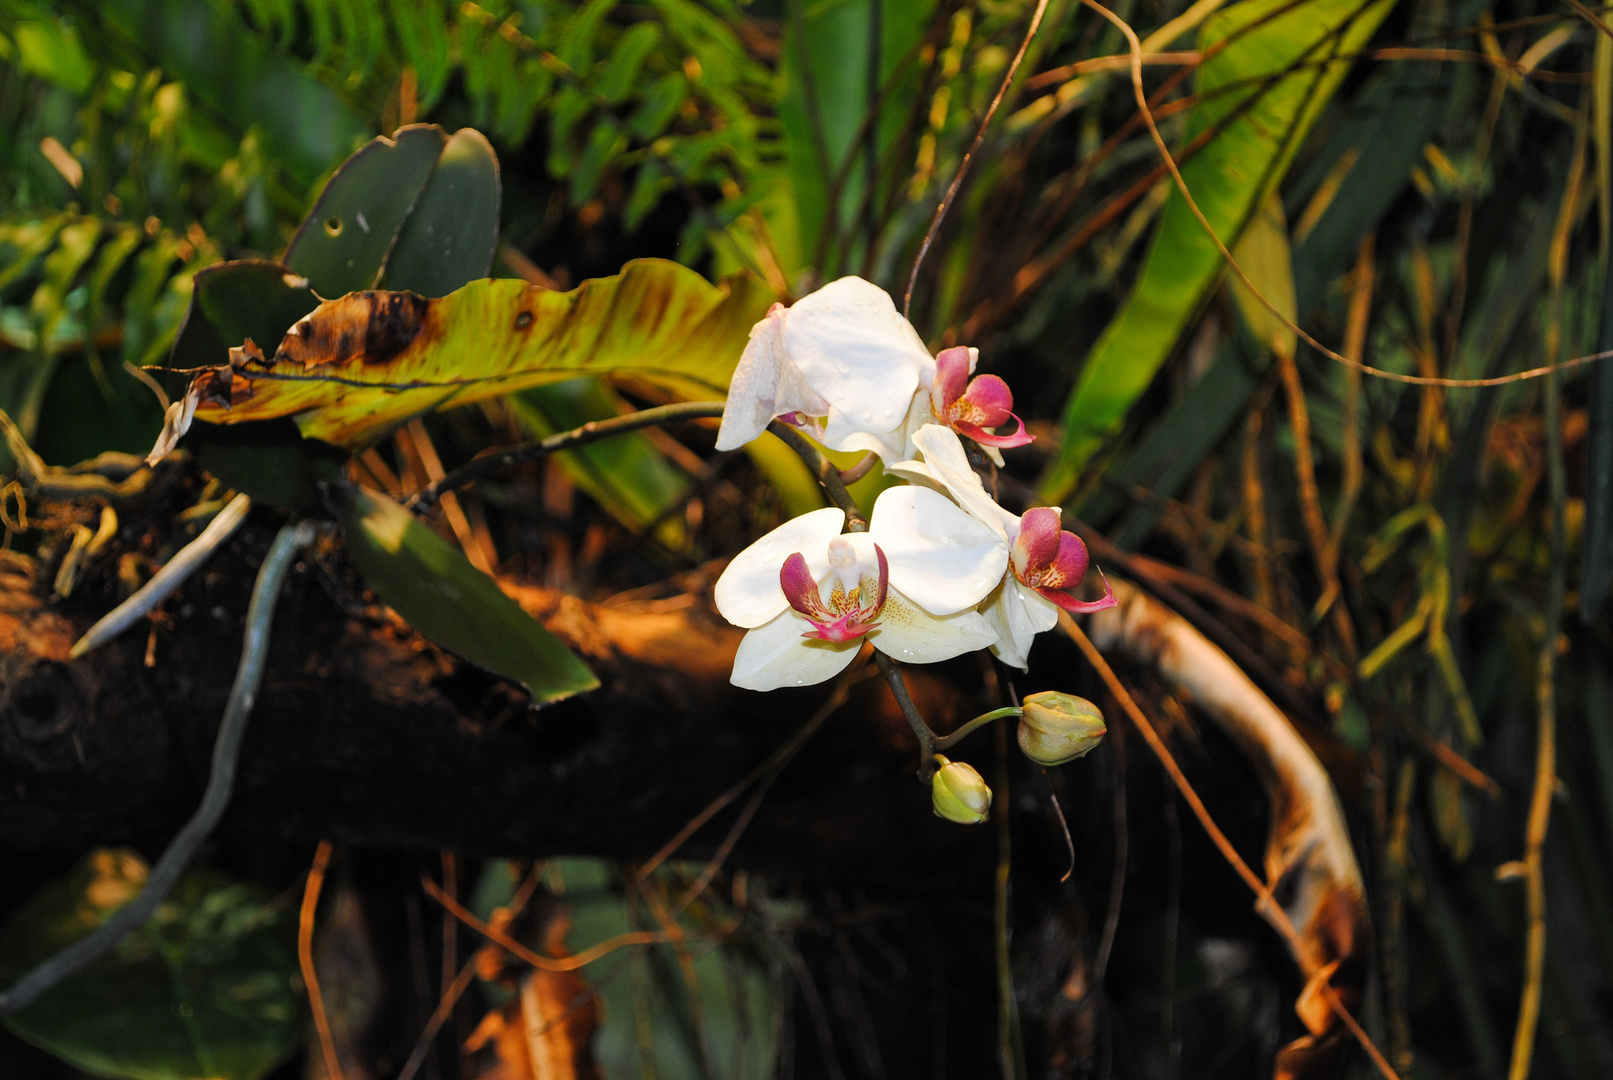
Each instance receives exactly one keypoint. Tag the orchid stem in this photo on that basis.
(947, 742)
(478, 468)
(826, 472)
(929, 743)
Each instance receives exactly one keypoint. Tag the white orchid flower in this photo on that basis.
(809, 595)
(842, 362)
(1044, 563)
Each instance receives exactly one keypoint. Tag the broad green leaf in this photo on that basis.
(1265, 76)
(434, 587)
(53, 51)
(824, 63)
(207, 989)
(1262, 251)
(343, 243)
(361, 365)
(625, 474)
(451, 233)
(208, 48)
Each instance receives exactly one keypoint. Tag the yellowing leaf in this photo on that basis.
(361, 365)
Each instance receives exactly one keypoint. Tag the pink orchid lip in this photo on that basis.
(845, 616)
(985, 438)
(973, 406)
(1082, 607)
(1050, 561)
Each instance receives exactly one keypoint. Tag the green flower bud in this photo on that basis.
(958, 793)
(1059, 727)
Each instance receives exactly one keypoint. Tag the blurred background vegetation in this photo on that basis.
(1417, 574)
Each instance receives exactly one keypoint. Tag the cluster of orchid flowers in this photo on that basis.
(942, 568)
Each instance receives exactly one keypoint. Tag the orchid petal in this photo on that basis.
(907, 632)
(858, 352)
(988, 401)
(1070, 564)
(939, 556)
(748, 593)
(1017, 614)
(946, 462)
(765, 384)
(775, 655)
(1038, 542)
(952, 368)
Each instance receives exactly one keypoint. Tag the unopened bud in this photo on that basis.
(958, 793)
(1059, 727)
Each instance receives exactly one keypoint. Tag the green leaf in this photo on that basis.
(52, 51)
(233, 301)
(625, 474)
(206, 989)
(343, 243)
(1264, 90)
(230, 303)
(364, 364)
(827, 46)
(434, 587)
(450, 236)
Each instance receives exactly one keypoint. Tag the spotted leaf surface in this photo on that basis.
(360, 365)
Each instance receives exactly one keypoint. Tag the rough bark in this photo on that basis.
(369, 735)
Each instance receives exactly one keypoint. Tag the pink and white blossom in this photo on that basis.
(1046, 563)
(810, 596)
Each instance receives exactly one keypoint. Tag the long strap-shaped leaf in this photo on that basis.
(362, 364)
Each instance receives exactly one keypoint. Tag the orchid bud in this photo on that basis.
(958, 793)
(1059, 727)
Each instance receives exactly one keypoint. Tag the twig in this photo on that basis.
(305, 958)
(1355, 338)
(488, 464)
(457, 988)
(1007, 1015)
(1117, 875)
(439, 1016)
(1523, 1041)
(226, 750)
(1238, 271)
(167, 580)
(1266, 903)
(1310, 503)
(538, 960)
(968, 157)
(767, 770)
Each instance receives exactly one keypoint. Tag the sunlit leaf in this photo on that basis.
(206, 990)
(434, 587)
(363, 364)
(625, 474)
(1264, 89)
